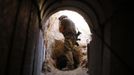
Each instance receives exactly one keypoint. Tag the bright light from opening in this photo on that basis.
(80, 23)
(77, 19)
(52, 34)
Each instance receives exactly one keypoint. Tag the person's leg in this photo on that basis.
(70, 62)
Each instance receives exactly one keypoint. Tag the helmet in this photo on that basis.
(62, 17)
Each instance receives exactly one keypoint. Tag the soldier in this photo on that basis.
(67, 28)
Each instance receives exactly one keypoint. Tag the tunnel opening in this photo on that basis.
(55, 57)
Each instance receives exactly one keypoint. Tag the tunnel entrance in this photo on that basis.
(55, 57)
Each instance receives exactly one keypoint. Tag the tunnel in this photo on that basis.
(22, 44)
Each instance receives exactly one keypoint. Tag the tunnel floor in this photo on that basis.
(78, 71)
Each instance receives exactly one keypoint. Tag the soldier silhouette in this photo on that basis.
(67, 28)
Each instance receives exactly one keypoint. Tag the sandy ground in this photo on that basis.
(78, 71)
